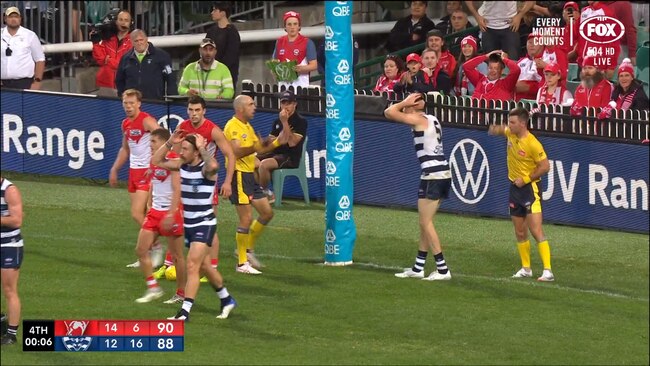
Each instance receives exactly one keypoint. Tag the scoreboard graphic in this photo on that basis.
(103, 335)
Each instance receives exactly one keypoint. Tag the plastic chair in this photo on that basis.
(300, 172)
(573, 72)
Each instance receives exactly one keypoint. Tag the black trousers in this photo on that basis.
(24, 83)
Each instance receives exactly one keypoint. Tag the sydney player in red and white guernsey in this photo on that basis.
(136, 128)
(164, 218)
(198, 124)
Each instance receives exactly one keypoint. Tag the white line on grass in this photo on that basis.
(487, 278)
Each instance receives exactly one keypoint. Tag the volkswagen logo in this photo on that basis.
(471, 170)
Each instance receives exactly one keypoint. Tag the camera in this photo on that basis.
(106, 28)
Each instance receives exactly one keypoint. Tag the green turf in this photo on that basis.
(79, 238)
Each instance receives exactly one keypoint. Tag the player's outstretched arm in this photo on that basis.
(497, 130)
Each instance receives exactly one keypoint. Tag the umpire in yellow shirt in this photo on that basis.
(527, 163)
(245, 191)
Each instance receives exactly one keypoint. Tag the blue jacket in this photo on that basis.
(154, 77)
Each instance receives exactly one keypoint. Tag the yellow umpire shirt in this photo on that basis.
(523, 155)
(244, 132)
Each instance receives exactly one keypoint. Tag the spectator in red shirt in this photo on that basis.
(596, 9)
(594, 90)
(446, 60)
(530, 77)
(493, 86)
(393, 69)
(108, 53)
(623, 12)
(571, 16)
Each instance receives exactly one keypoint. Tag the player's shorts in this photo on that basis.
(153, 222)
(245, 189)
(284, 161)
(524, 200)
(139, 180)
(434, 189)
(200, 234)
(12, 257)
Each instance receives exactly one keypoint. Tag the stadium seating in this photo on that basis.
(300, 172)
(573, 72)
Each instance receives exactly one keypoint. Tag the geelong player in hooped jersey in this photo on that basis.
(136, 128)
(198, 171)
(11, 258)
(435, 181)
(198, 124)
(163, 218)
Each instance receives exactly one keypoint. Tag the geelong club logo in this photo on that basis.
(471, 170)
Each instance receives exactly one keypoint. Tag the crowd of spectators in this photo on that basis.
(486, 62)
(489, 65)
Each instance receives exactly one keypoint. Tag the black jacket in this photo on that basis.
(154, 77)
(401, 35)
(228, 42)
(636, 92)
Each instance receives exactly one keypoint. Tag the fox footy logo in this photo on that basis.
(602, 29)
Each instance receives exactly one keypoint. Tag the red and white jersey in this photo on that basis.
(205, 130)
(529, 70)
(139, 141)
(161, 183)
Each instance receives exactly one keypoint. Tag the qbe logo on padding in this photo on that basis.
(345, 134)
(344, 203)
(330, 101)
(329, 33)
(471, 170)
(330, 168)
(343, 66)
(602, 29)
(329, 236)
(341, 11)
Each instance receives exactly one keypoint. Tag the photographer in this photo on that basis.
(110, 42)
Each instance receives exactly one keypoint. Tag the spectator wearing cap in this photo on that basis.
(108, 53)
(571, 16)
(499, 23)
(623, 11)
(295, 47)
(393, 69)
(607, 62)
(226, 37)
(435, 77)
(628, 93)
(207, 77)
(293, 128)
(145, 68)
(594, 89)
(532, 66)
(413, 75)
(493, 86)
(23, 59)
(553, 90)
(436, 42)
(468, 50)
(412, 29)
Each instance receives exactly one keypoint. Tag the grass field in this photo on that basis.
(79, 238)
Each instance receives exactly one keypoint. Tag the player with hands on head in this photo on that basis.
(435, 181)
(198, 171)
